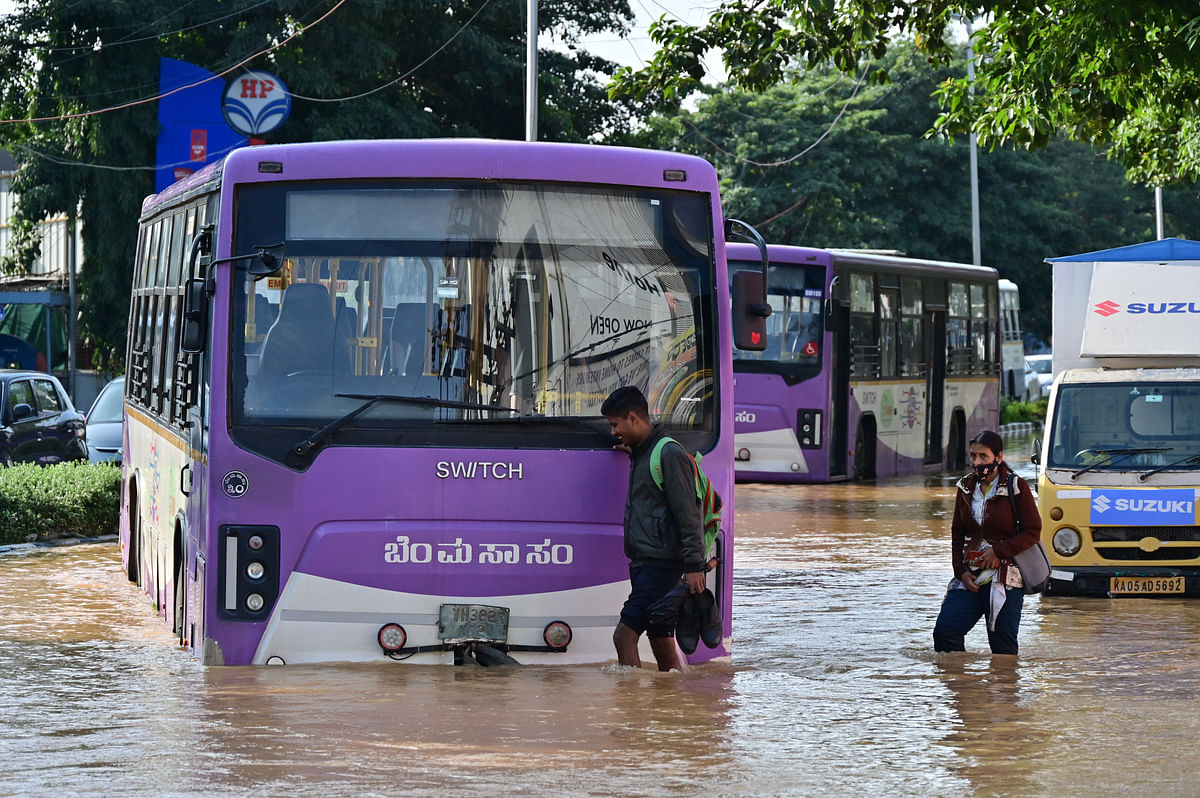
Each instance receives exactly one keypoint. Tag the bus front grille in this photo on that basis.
(1132, 534)
(1176, 553)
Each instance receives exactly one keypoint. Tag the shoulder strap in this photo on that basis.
(656, 469)
(1012, 498)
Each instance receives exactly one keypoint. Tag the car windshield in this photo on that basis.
(1124, 426)
(534, 300)
(108, 405)
(1040, 365)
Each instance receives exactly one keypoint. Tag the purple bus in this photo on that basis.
(364, 380)
(876, 365)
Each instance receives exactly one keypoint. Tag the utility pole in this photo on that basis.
(72, 386)
(1158, 216)
(976, 244)
(531, 69)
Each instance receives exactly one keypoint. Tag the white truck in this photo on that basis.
(1119, 469)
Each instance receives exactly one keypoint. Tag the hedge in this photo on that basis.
(1016, 412)
(63, 500)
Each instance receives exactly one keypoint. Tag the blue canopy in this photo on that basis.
(1166, 249)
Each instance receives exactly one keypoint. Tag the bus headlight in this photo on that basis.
(1067, 541)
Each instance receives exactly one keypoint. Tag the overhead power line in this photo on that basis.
(144, 100)
(394, 81)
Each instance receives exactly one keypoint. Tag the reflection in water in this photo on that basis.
(834, 688)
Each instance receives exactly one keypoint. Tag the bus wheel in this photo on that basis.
(864, 450)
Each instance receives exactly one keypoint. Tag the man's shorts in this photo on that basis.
(650, 580)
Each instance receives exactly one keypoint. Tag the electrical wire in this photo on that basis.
(84, 49)
(845, 106)
(85, 164)
(394, 81)
(144, 100)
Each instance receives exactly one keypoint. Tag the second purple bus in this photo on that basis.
(362, 405)
(876, 365)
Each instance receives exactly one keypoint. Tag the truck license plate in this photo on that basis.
(459, 623)
(1146, 584)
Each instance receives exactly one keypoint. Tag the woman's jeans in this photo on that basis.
(962, 609)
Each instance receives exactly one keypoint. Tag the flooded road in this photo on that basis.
(834, 689)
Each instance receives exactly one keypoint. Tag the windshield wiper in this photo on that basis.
(561, 421)
(1185, 461)
(1112, 459)
(302, 449)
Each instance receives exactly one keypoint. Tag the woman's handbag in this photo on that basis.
(1033, 562)
(1035, 567)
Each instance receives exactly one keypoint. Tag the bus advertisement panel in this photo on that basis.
(390, 444)
(876, 365)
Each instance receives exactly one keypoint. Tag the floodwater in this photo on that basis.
(833, 688)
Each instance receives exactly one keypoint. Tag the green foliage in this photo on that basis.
(827, 160)
(1014, 412)
(1119, 75)
(64, 500)
(87, 56)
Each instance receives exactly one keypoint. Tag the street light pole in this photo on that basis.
(531, 99)
(976, 245)
(1158, 216)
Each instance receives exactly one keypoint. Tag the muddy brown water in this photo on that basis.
(833, 688)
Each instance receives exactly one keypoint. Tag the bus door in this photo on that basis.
(839, 389)
(935, 382)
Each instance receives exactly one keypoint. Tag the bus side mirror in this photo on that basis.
(195, 317)
(1035, 456)
(750, 311)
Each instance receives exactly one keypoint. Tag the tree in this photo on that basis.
(1120, 75)
(829, 160)
(461, 62)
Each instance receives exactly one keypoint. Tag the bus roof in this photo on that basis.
(782, 253)
(466, 159)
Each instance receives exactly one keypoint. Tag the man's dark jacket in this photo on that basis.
(665, 524)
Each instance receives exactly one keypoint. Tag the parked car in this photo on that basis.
(1041, 366)
(104, 423)
(38, 423)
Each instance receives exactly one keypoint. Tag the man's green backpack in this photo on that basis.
(709, 500)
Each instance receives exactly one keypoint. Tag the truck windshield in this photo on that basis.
(479, 302)
(1126, 427)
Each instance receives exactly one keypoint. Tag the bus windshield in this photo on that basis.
(1126, 426)
(795, 326)
(494, 304)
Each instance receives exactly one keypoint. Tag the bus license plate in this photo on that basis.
(459, 623)
(1146, 584)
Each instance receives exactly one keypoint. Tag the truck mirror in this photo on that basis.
(1035, 456)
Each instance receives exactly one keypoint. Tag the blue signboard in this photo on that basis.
(192, 129)
(1160, 507)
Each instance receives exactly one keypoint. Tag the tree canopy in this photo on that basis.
(1122, 75)
(828, 160)
(463, 64)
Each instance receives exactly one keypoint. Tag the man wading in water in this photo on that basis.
(664, 529)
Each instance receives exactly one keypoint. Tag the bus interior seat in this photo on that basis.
(407, 339)
(302, 337)
(345, 334)
(265, 313)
